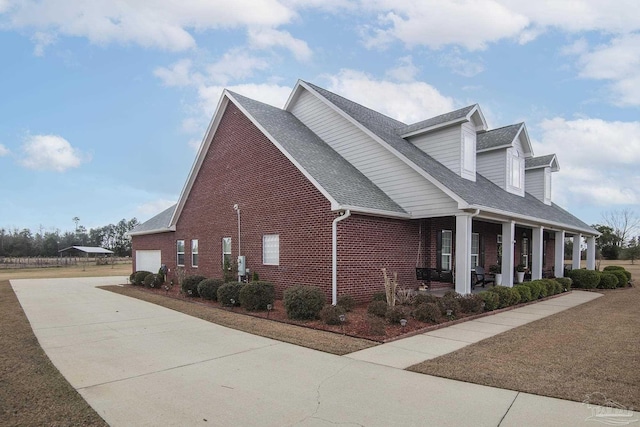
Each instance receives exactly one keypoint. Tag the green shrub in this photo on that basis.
(491, 300)
(303, 302)
(256, 295)
(149, 280)
(565, 282)
(622, 278)
(132, 277)
(377, 308)
(525, 292)
(139, 276)
(379, 296)
(507, 296)
(208, 288)
(552, 286)
(471, 303)
(613, 268)
(586, 279)
(229, 293)
(424, 298)
(396, 313)
(330, 314)
(347, 302)
(427, 312)
(450, 301)
(608, 280)
(534, 289)
(190, 285)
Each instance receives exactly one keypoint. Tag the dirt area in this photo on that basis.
(90, 270)
(32, 391)
(590, 350)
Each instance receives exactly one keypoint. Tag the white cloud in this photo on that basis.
(405, 72)
(41, 41)
(405, 101)
(597, 158)
(177, 74)
(460, 65)
(265, 38)
(271, 94)
(235, 64)
(4, 151)
(153, 207)
(163, 24)
(50, 152)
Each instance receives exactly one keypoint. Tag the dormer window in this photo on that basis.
(547, 186)
(515, 171)
(468, 155)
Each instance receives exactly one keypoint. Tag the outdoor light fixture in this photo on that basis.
(233, 303)
(342, 318)
(449, 313)
(403, 322)
(269, 308)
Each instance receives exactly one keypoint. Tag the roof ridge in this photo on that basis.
(470, 107)
(503, 127)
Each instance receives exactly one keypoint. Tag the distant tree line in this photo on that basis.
(26, 243)
(619, 237)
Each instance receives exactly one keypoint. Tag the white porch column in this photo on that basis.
(559, 255)
(575, 261)
(591, 253)
(463, 254)
(508, 235)
(537, 241)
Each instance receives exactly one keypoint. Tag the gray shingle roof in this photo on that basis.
(346, 184)
(159, 222)
(539, 162)
(482, 192)
(497, 137)
(438, 120)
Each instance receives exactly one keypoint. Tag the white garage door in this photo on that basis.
(148, 261)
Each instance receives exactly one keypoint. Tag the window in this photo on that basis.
(499, 249)
(516, 170)
(180, 251)
(525, 251)
(547, 185)
(271, 249)
(226, 252)
(194, 252)
(475, 249)
(447, 237)
(468, 153)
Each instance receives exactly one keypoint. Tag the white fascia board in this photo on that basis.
(156, 231)
(293, 96)
(497, 147)
(483, 125)
(372, 212)
(307, 175)
(523, 131)
(202, 152)
(380, 141)
(533, 221)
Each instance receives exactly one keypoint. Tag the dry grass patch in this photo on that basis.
(318, 340)
(90, 270)
(587, 349)
(32, 391)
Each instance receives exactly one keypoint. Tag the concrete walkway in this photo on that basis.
(409, 351)
(138, 364)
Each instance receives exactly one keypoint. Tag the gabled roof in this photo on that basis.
(447, 119)
(479, 194)
(498, 138)
(548, 161)
(158, 224)
(88, 250)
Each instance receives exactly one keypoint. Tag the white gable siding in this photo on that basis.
(493, 166)
(444, 145)
(534, 183)
(405, 186)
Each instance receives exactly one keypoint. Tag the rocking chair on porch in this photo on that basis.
(478, 277)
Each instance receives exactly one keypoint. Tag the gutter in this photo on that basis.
(334, 255)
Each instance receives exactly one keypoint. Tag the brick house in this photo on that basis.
(327, 192)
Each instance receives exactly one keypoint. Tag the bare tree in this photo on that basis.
(625, 223)
(76, 220)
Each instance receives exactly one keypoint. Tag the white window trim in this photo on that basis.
(514, 158)
(447, 265)
(178, 252)
(468, 153)
(267, 258)
(194, 251)
(476, 255)
(524, 252)
(223, 251)
(547, 186)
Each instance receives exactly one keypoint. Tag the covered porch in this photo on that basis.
(457, 245)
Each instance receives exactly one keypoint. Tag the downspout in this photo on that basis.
(334, 274)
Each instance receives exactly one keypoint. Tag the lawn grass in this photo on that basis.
(592, 348)
(90, 270)
(328, 342)
(32, 391)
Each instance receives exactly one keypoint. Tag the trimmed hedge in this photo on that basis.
(506, 296)
(622, 278)
(139, 276)
(565, 282)
(347, 302)
(256, 295)
(303, 302)
(208, 288)
(450, 301)
(534, 289)
(613, 268)
(149, 280)
(427, 312)
(396, 313)
(330, 314)
(586, 279)
(424, 298)
(228, 292)
(608, 280)
(190, 285)
(377, 308)
(472, 303)
(524, 291)
(491, 300)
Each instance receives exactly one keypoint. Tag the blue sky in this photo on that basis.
(104, 103)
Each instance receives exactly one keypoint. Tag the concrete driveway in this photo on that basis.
(138, 364)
